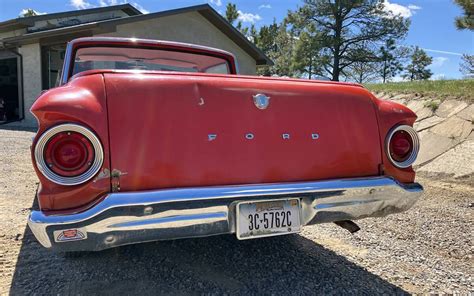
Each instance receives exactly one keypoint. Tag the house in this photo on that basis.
(32, 48)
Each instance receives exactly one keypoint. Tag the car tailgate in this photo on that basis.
(178, 130)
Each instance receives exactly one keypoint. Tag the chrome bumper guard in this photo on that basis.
(133, 217)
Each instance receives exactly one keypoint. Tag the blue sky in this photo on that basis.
(432, 21)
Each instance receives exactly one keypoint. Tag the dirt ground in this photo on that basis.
(427, 249)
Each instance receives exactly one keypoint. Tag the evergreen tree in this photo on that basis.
(277, 43)
(345, 26)
(362, 72)
(364, 68)
(465, 21)
(28, 12)
(390, 60)
(417, 69)
(231, 13)
(305, 59)
(467, 65)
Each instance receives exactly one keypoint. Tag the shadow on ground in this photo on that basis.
(12, 127)
(279, 265)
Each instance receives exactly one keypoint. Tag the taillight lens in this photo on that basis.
(402, 146)
(69, 154)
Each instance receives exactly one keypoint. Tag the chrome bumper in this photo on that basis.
(133, 217)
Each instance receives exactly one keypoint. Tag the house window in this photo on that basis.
(10, 94)
(52, 58)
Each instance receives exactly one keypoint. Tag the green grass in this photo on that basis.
(440, 89)
(433, 105)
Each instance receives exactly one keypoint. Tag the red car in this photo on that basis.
(151, 140)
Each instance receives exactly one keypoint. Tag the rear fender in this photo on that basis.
(82, 101)
(391, 114)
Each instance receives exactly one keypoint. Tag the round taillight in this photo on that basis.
(402, 146)
(69, 154)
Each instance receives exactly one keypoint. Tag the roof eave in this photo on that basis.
(109, 25)
(23, 22)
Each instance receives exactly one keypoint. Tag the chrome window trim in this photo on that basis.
(66, 65)
(68, 181)
(68, 57)
(416, 146)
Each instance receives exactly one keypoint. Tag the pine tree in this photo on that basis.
(277, 43)
(231, 13)
(345, 26)
(465, 21)
(417, 69)
(467, 65)
(390, 60)
(28, 12)
(305, 59)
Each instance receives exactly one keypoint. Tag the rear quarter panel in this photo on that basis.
(391, 114)
(82, 101)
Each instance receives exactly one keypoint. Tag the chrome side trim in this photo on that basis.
(68, 181)
(66, 65)
(416, 146)
(133, 217)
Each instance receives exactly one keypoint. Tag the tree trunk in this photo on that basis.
(337, 48)
(384, 74)
(335, 69)
(310, 67)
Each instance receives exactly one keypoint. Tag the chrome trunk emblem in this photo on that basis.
(261, 101)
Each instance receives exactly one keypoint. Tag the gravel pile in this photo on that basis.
(427, 249)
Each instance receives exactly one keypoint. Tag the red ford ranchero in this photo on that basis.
(151, 140)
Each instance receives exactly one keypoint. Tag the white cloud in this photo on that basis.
(414, 7)
(268, 6)
(248, 17)
(24, 11)
(439, 61)
(440, 76)
(442, 51)
(103, 3)
(398, 79)
(80, 4)
(400, 10)
(141, 8)
(216, 2)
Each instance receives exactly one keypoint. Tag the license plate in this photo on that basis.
(268, 218)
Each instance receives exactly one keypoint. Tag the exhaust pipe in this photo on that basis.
(348, 225)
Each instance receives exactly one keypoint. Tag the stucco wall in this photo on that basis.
(31, 78)
(188, 27)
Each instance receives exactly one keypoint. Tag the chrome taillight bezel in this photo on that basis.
(414, 152)
(62, 180)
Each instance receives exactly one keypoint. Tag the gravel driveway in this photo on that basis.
(427, 249)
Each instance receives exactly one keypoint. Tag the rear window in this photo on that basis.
(133, 58)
